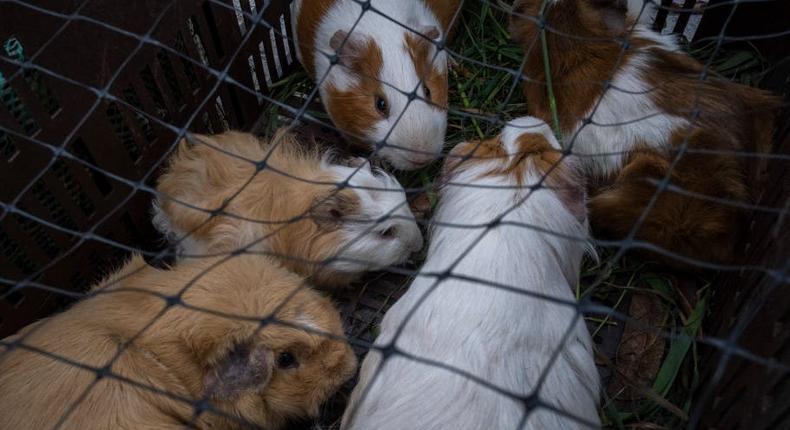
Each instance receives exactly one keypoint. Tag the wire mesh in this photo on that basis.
(145, 79)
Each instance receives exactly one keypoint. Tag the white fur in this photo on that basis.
(502, 337)
(667, 42)
(421, 128)
(626, 116)
(388, 204)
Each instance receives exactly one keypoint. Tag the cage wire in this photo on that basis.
(267, 23)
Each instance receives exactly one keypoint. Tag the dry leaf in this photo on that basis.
(640, 352)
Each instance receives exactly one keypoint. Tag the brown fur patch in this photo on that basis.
(470, 153)
(175, 349)
(688, 225)
(533, 151)
(311, 14)
(579, 65)
(419, 50)
(564, 181)
(353, 110)
(445, 11)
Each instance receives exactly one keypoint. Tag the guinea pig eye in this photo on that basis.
(286, 360)
(427, 92)
(334, 213)
(381, 105)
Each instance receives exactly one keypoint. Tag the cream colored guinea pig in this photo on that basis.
(254, 376)
(382, 57)
(292, 208)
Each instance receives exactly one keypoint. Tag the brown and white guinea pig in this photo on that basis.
(291, 208)
(386, 57)
(253, 375)
(513, 339)
(648, 99)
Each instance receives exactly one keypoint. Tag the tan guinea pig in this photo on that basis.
(253, 375)
(292, 208)
(385, 55)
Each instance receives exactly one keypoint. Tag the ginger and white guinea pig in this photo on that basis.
(629, 115)
(382, 57)
(291, 208)
(252, 375)
(504, 338)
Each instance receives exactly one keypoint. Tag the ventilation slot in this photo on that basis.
(194, 31)
(13, 252)
(47, 199)
(254, 75)
(172, 81)
(154, 91)
(189, 70)
(277, 65)
(36, 231)
(213, 30)
(130, 96)
(80, 150)
(15, 50)
(265, 64)
(8, 150)
(221, 115)
(10, 100)
(283, 36)
(240, 17)
(207, 123)
(123, 132)
(75, 191)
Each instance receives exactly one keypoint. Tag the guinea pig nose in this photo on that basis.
(416, 244)
(389, 232)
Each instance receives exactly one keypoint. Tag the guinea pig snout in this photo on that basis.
(415, 245)
(404, 231)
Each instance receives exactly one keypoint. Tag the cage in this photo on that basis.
(95, 94)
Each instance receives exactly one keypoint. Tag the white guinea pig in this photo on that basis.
(382, 58)
(503, 337)
(292, 208)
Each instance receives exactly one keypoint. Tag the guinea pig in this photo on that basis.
(388, 89)
(291, 208)
(210, 345)
(502, 308)
(629, 117)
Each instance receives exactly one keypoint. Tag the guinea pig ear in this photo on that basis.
(563, 176)
(569, 186)
(330, 210)
(431, 32)
(348, 47)
(246, 367)
(362, 162)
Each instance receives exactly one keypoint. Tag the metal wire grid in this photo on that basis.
(59, 150)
